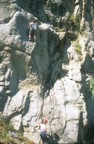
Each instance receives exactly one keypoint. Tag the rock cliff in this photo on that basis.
(53, 76)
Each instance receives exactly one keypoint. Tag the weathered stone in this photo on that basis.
(47, 77)
(2, 69)
(2, 78)
(7, 74)
(8, 92)
(75, 75)
(72, 112)
(5, 11)
(1, 89)
(71, 131)
(2, 83)
(16, 121)
(7, 83)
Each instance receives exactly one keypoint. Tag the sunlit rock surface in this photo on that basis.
(49, 77)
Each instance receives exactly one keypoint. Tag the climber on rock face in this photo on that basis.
(32, 32)
(43, 131)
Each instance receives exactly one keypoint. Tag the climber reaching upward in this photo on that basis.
(32, 32)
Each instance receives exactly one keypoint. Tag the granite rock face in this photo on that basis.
(49, 77)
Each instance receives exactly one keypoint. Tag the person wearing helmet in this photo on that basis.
(43, 131)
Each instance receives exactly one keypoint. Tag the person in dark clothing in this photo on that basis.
(32, 32)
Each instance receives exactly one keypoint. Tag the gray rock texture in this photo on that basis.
(51, 76)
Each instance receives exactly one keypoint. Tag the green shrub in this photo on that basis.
(4, 129)
(73, 18)
(4, 135)
(78, 48)
(73, 22)
(92, 87)
(5, 138)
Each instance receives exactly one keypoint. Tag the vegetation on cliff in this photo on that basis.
(9, 136)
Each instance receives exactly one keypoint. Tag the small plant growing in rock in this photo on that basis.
(74, 22)
(4, 129)
(74, 18)
(92, 87)
(77, 47)
(10, 136)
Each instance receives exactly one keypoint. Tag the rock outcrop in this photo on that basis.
(50, 77)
